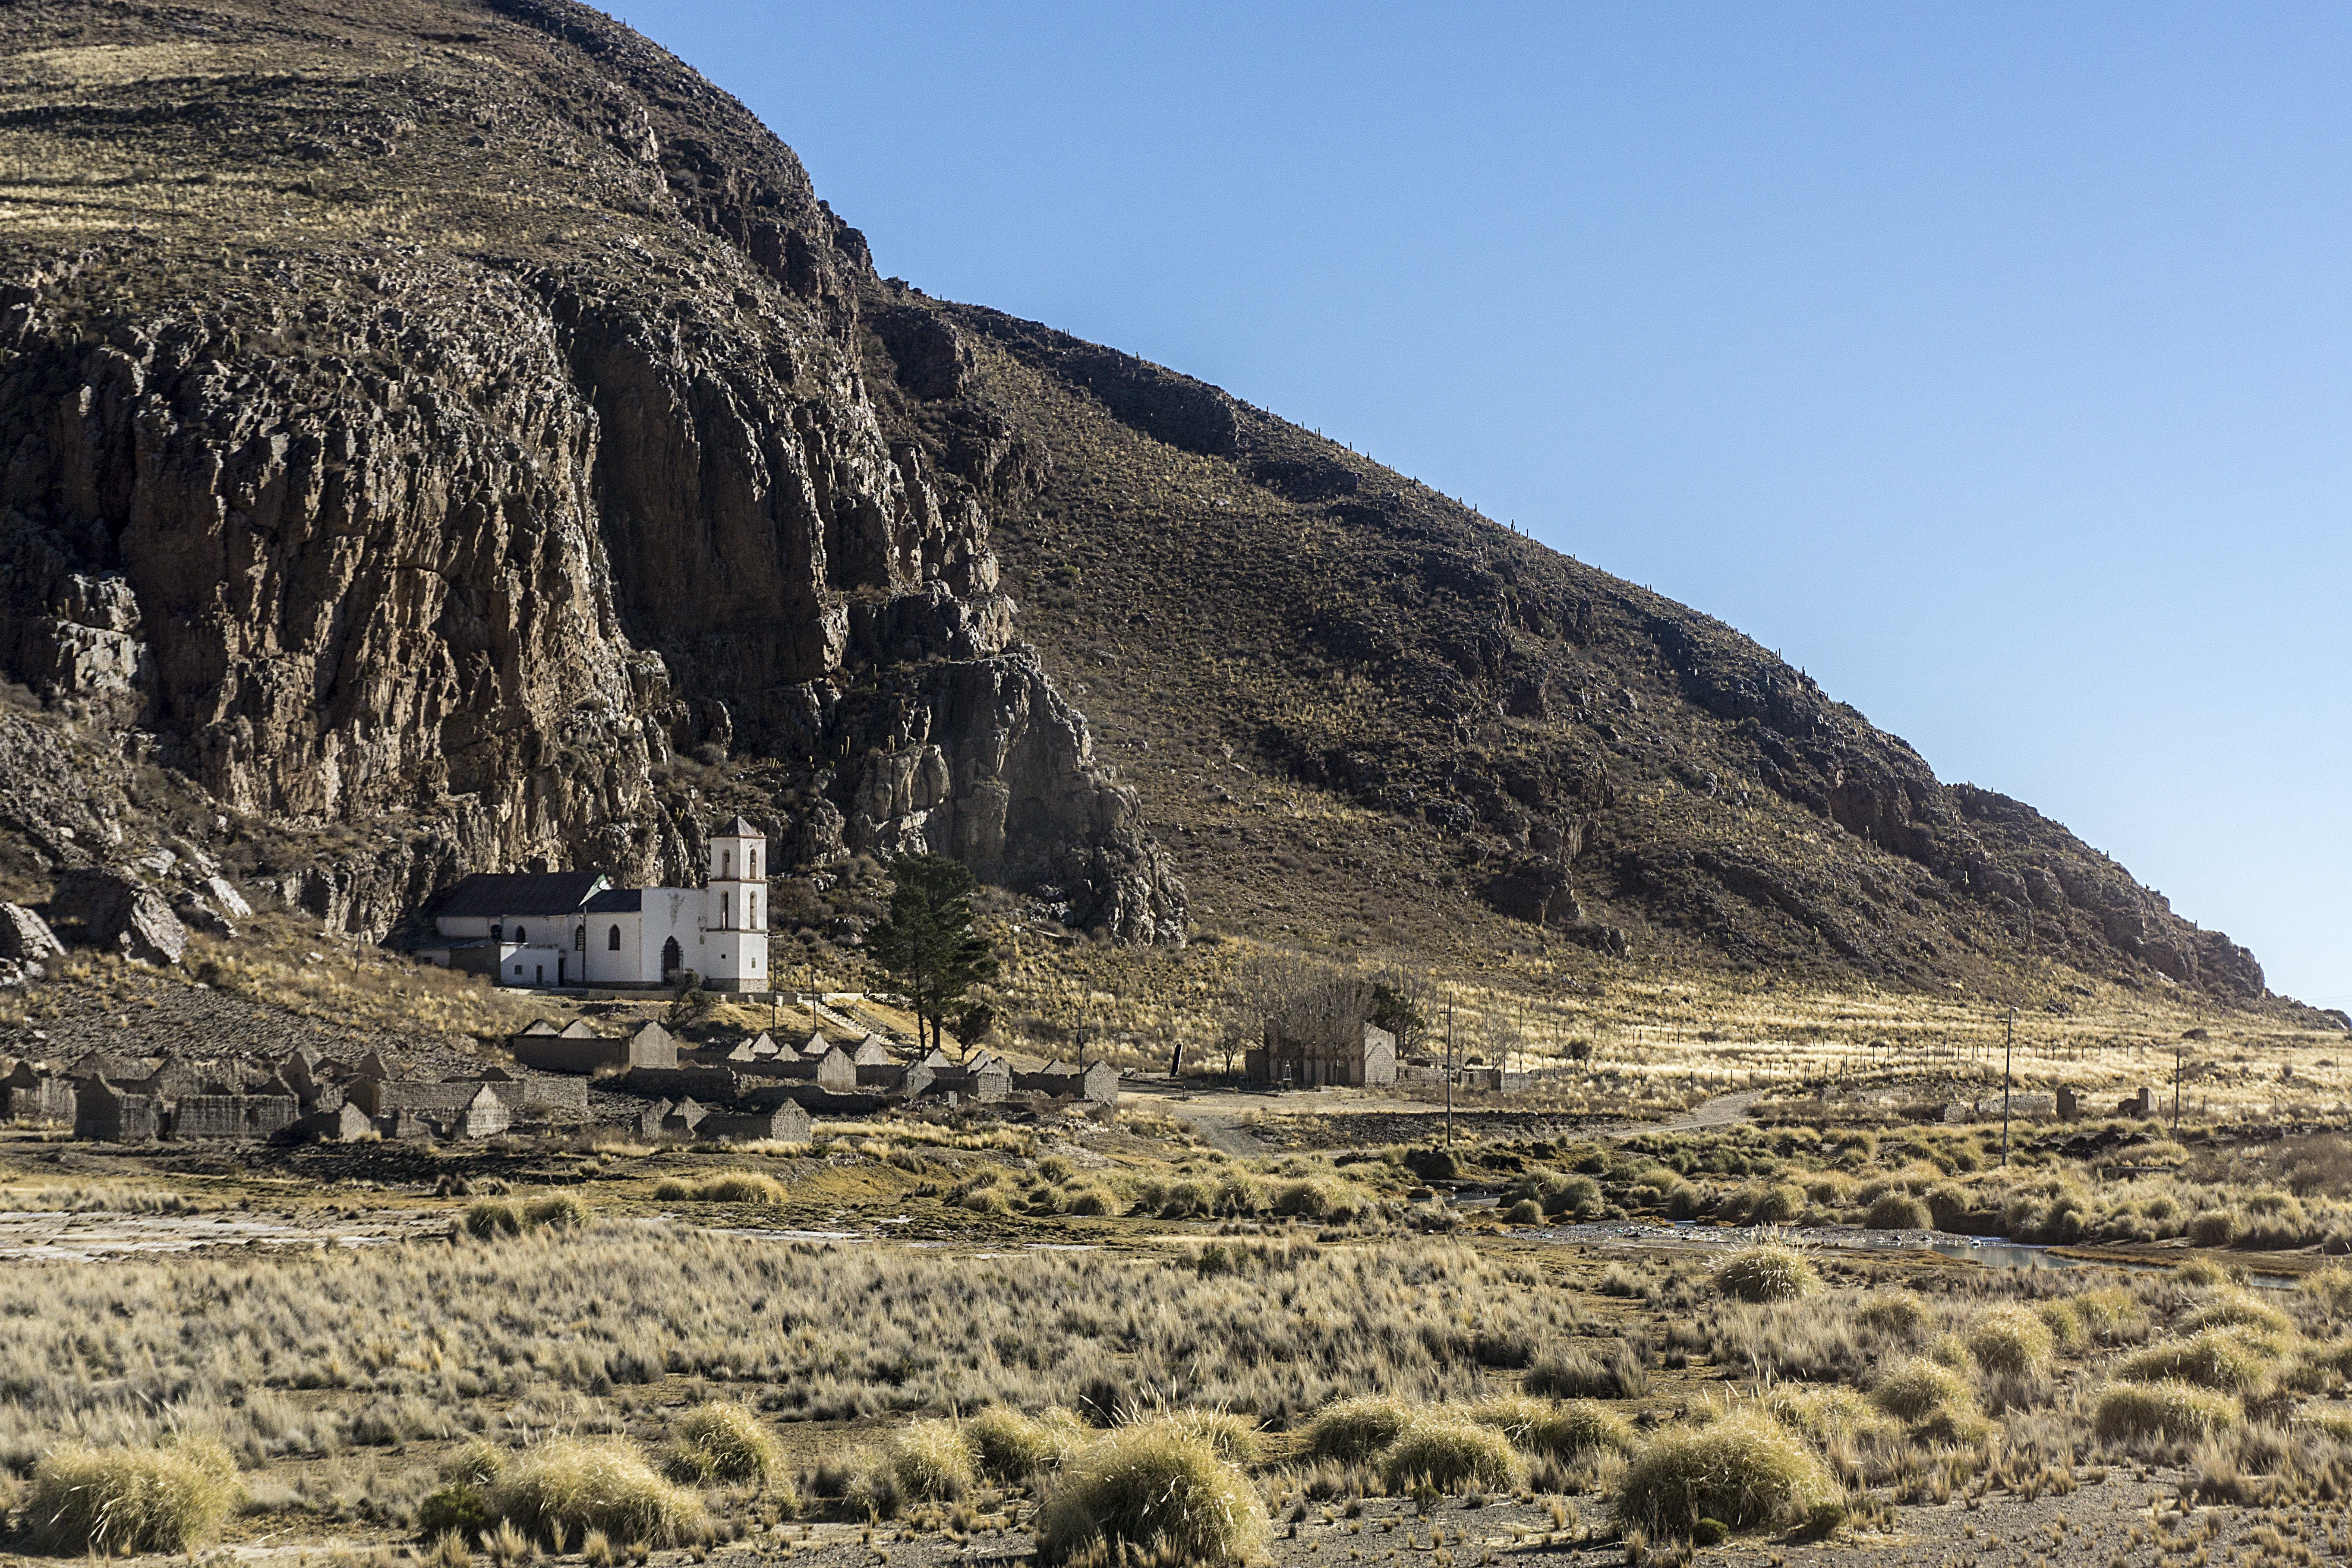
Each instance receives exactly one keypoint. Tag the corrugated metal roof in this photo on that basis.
(519, 893)
(616, 901)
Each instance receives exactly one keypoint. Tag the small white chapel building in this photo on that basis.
(575, 928)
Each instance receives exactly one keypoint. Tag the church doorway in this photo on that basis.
(673, 960)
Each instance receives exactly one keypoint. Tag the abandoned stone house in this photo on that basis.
(575, 928)
(1306, 1060)
(577, 1049)
(786, 1121)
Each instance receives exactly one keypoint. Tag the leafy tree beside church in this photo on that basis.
(927, 944)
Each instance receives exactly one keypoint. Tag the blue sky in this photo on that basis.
(1993, 363)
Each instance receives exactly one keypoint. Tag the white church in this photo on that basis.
(544, 928)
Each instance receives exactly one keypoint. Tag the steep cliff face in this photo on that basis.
(444, 420)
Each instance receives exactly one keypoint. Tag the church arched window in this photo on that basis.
(751, 910)
(751, 863)
(520, 936)
(726, 864)
(580, 940)
(613, 939)
(498, 933)
(722, 912)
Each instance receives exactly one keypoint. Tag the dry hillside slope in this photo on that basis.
(449, 435)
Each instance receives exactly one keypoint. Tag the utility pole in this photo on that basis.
(1449, 1069)
(2008, 1045)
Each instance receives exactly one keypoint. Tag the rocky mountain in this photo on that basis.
(449, 434)
(436, 419)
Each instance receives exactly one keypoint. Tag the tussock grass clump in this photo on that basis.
(1744, 1470)
(1234, 1438)
(121, 1500)
(1899, 1211)
(2065, 1325)
(2010, 1339)
(2235, 1309)
(1768, 1271)
(931, 1462)
(1157, 1486)
(1562, 1431)
(569, 1486)
(721, 1441)
(558, 1211)
(2170, 1408)
(1450, 1454)
(2330, 1287)
(1007, 1448)
(1921, 1390)
(1821, 1416)
(487, 1219)
(721, 1187)
(1355, 1429)
(1891, 1312)
(2216, 1359)
(491, 1219)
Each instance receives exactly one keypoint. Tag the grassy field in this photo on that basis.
(930, 1333)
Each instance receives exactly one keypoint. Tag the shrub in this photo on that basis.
(2213, 1228)
(475, 1464)
(1563, 1430)
(570, 1485)
(1154, 1485)
(2204, 1271)
(556, 1211)
(1233, 1439)
(1743, 1470)
(1767, 1271)
(487, 1219)
(1898, 1211)
(721, 1441)
(741, 1187)
(1008, 1448)
(2010, 1339)
(2165, 1409)
(459, 1506)
(1921, 1390)
(1682, 1201)
(1451, 1455)
(1891, 1312)
(1526, 1211)
(2065, 1325)
(931, 1462)
(1819, 1414)
(2238, 1309)
(2215, 1359)
(2331, 1287)
(1355, 1429)
(1572, 1374)
(2106, 1312)
(1089, 1199)
(131, 1500)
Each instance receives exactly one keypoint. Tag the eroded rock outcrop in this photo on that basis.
(469, 539)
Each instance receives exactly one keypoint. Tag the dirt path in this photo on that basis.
(1219, 1119)
(1722, 1110)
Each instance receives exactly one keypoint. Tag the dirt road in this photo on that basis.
(1221, 1118)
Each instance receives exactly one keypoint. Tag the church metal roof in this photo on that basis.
(616, 901)
(490, 893)
(738, 828)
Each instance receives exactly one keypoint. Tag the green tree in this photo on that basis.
(927, 944)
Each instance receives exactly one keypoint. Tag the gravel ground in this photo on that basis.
(198, 1022)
